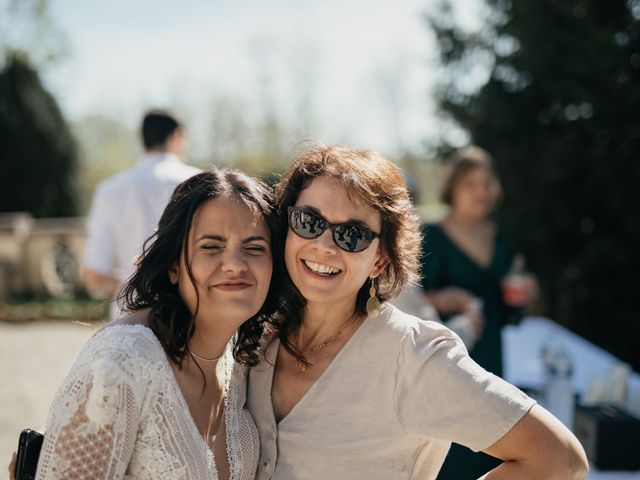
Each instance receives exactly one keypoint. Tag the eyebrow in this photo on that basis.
(356, 222)
(220, 238)
(254, 238)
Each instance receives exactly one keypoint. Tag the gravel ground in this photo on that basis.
(34, 357)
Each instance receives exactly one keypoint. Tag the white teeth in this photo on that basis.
(320, 268)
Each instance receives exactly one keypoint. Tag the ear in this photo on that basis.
(379, 266)
(174, 273)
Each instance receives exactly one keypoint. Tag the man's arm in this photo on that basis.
(99, 253)
(539, 446)
(100, 285)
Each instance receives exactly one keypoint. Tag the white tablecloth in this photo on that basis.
(522, 345)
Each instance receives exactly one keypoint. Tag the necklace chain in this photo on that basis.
(302, 366)
(320, 346)
(204, 359)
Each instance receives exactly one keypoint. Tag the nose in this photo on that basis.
(233, 260)
(325, 242)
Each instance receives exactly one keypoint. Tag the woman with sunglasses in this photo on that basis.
(351, 387)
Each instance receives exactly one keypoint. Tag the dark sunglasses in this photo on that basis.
(349, 237)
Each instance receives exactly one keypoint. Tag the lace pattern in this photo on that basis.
(120, 414)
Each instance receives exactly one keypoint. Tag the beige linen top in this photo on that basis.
(387, 407)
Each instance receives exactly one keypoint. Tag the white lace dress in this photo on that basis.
(120, 414)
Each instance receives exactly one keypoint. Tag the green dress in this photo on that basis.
(444, 264)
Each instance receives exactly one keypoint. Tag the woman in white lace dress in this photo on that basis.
(160, 393)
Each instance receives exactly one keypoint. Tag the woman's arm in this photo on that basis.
(539, 446)
(450, 300)
(94, 419)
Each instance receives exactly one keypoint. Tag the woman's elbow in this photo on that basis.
(568, 457)
(576, 462)
(540, 446)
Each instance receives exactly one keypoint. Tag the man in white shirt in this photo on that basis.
(126, 207)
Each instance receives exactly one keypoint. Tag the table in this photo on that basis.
(522, 345)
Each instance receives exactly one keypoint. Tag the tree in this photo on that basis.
(558, 109)
(38, 156)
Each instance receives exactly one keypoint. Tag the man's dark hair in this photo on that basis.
(157, 126)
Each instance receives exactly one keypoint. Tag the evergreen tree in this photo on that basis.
(38, 156)
(560, 113)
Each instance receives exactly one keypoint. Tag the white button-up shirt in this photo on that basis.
(126, 209)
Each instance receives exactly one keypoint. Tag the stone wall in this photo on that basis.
(40, 256)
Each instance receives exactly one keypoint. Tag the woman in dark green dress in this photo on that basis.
(465, 260)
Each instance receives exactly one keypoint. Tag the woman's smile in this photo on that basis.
(232, 285)
(321, 269)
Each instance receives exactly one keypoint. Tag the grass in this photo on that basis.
(79, 308)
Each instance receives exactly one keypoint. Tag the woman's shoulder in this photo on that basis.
(432, 228)
(434, 234)
(413, 341)
(122, 342)
(394, 323)
(499, 236)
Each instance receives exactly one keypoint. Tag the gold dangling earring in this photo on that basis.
(373, 304)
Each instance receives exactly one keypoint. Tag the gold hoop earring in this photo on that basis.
(373, 304)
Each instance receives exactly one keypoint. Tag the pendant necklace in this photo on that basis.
(302, 366)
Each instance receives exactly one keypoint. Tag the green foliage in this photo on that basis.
(559, 113)
(38, 154)
(79, 308)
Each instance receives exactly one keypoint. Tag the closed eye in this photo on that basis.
(210, 247)
(256, 249)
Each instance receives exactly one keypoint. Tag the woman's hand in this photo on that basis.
(531, 289)
(451, 300)
(520, 291)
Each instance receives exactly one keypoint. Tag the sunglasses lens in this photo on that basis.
(351, 238)
(305, 224)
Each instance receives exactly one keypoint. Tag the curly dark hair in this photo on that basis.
(150, 287)
(381, 184)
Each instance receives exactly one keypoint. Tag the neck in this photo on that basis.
(163, 151)
(467, 222)
(160, 150)
(320, 322)
(210, 341)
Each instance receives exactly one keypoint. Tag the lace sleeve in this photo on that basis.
(93, 421)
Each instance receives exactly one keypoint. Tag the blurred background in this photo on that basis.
(550, 88)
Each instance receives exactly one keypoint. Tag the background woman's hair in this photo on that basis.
(379, 183)
(462, 162)
(150, 287)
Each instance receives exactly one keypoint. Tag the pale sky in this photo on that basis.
(354, 63)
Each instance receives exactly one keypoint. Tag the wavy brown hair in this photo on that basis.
(381, 184)
(150, 287)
